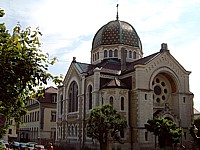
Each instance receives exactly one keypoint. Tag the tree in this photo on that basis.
(23, 67)
(104, 122)
(166, 131)
(195, 126)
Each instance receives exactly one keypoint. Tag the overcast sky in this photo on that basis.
(68, 28)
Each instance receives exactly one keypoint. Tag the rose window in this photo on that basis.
(161, 90)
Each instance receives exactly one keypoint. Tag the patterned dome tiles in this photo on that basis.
(116, 32)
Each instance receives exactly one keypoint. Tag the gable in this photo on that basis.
(165, 59)
(72, 74)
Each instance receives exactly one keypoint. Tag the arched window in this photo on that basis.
(105, 53)
(95, 56)
(122, 103)
(116, 53)
(73, 97)
(134, 55)
(125, 53)
(76, 131)
(61, 104)
(72, 130)
(111, 101)
(110, 53)
(130, 54)
(90, 97)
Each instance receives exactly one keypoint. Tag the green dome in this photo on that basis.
(116, 32)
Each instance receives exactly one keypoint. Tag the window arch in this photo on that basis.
(90, 97)
(111, 101)
(61, 104)
(105, 53)
(116, 53)
(134, 55)
(122, 103)
(110, 53)
(130, 54)
(126, 53)
(73, 97)
(93, 57)
(76, 130)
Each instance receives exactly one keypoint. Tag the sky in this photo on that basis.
(68, 28)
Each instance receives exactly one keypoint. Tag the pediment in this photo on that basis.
(165, 59)
(72, 73)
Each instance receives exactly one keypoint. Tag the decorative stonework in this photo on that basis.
(167, 61)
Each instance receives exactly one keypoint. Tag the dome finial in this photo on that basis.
(117, 12)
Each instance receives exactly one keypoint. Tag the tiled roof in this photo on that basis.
(116, 32)
(115, 83)
(142, 61)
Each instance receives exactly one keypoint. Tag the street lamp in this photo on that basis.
(39, 132)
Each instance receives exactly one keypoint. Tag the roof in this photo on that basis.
(112, 66)
(131, 66)
(116, 32)
(115, 83)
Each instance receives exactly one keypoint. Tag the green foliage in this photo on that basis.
(195, 124)
(165, 129)
(105, 122)
(23, 67)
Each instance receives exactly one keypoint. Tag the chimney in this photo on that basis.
(164, 47)
(123, 59)
(74, 59)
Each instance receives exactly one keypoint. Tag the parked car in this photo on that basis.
(4, 144)
(14, 145)
(31, 145)
(39, 147)
(23, 146)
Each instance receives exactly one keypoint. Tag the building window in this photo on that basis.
(10, 131)
(185, 135)
(145, 96)
(105, 53)
(111, 101)
(53, 133)
(130, 54)
(115, 53)
(146, 136)
(76, 131)
(73, 97)
(61, 104)
(110, 53)
(38, 115)
(97, 55)
(122, 103)
(54, 98)
(125, 53)
(134, 55)
(53, 116)
(102, 101)
(184, 99)
(122, 133)
(90, 96)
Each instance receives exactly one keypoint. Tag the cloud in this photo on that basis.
(68, 27)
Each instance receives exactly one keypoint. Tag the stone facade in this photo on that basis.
(139, 88)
